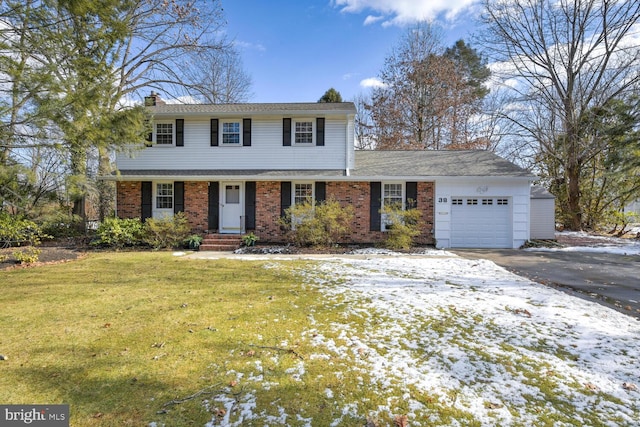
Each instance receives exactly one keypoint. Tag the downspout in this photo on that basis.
(349, 146)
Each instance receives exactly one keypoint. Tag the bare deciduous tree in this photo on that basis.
(217, 76)
(567, 57)
(430, 95)
(363, 126)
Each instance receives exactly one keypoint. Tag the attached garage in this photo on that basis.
(481, 222)
(479, 199)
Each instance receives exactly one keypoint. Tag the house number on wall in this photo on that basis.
(442, 200)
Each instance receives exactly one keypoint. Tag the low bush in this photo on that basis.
(403, 226)
(59, 224)
(322, 225)
(15, 230)
(193, 241)
(27, 255)
(119, 233)
(250, 239)
(166, 233)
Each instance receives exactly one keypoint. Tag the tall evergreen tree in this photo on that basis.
(331, 95)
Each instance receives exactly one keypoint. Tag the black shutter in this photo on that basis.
(411, 200)
(147, 200)
(320, 131)
(149, 137)
(286, 132)
(285, 196)
(375, 204)
(250, 205)
(214, 203)
(178, 197)
(246, 132)
(179, 132)
(214, 132)
(321, 192)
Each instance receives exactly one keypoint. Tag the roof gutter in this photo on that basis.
(347, 177)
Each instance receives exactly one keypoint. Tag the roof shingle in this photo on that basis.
(295, 108)
(430, 163)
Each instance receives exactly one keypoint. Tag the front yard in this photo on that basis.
(154, 339)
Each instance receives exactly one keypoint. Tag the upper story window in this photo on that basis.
(303, 132)
(164, 133)
(164, 195)
(231, 133)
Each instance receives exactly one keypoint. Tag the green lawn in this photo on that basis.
(151, 339)
(124, 338)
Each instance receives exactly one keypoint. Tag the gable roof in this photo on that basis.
(538, 192)
(431, 163)
(293, 108)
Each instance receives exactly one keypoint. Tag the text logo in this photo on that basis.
(34, 415)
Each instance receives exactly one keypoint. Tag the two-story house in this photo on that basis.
(235, 168)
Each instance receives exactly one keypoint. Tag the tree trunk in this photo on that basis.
(573, 198)
(106, 189)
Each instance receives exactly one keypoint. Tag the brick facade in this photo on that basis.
(356, 194)
(268, 211)
(196, 205)
(129, 199)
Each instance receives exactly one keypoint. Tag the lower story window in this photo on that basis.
(303, 193)
(392, 195)
(164, 196)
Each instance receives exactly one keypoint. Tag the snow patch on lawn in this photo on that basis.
(599, 244)
(471, 336)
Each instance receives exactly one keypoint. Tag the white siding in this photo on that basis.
(266, 151)
(516, 190)
(543, 219)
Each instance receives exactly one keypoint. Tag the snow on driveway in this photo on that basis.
(505, 339)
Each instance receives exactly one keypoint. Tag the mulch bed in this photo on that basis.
(48, 255)
(72, 249)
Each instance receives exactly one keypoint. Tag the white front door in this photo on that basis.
(231, 209)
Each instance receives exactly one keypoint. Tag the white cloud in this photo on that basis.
(182, 100)
(372, 19)
(249, 46)
(400, 12)
(372, 82)
(349, 76)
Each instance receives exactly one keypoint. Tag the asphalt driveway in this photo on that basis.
(610, 279)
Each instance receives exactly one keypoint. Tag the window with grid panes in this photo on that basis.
(392, 195)
(164, 133)
(303, 193)
(231, 133)
(304, 133)
(164, 196)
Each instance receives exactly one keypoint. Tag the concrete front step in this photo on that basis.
(220, 242)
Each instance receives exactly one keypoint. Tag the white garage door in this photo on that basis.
(479, 222)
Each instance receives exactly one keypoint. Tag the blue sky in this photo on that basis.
(294, 50)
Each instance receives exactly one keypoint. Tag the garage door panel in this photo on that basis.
(481, 222)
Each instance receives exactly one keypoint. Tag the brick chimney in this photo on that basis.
(153, 100)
